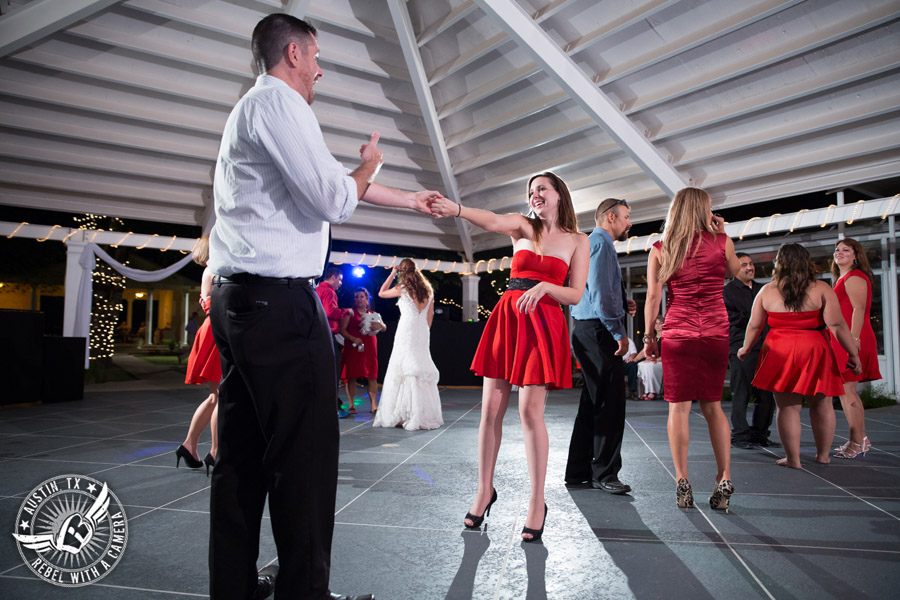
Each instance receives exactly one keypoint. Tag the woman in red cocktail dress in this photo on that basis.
(526, 341)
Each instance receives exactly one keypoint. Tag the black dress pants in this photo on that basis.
(742, 372)
(278, 437)
(596, 445)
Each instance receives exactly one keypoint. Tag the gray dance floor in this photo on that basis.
(824, 532)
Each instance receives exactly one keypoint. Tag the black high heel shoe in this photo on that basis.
(189, 460)
(478, 520)
(535, 533)
(209, 461)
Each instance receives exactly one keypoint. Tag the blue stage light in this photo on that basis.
(359, 272)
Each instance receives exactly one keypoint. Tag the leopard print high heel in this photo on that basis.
(684, 496)
(721, 496)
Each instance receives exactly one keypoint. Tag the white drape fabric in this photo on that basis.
(86, 285)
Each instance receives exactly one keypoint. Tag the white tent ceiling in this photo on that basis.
(117, 107)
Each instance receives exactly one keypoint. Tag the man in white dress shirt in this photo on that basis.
(277, 189)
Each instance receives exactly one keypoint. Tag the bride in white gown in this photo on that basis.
(409, 396)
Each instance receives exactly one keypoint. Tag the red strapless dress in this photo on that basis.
(868, 346)
(796, 356)
(528, 349)
(695, 331)
(204, 363)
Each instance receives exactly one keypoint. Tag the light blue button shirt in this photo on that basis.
(602, 297)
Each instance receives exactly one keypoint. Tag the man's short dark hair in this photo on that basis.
(607, 205)
(272, 34)
(741, 255)
(330, 272)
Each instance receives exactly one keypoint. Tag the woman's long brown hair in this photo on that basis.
(565, 212)
(862, 261)
(794, 273)
(413, 280)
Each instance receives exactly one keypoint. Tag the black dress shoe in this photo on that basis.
(768, 443)
(613, 487)
(362, 597)
(743, 444)
(265, 582)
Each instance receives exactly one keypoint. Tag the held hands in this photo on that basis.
(443, 207)
(742, 353)
(623, 347)
(527, 302)
(423, 200)
(651, 350)
(854, 364)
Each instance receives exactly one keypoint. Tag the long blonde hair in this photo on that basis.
(565, 210)
(201, 250)
(413, 280)
(688, 214)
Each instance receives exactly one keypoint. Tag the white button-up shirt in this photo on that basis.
(277, 187)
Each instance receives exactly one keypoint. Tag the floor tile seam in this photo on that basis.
(118, 587)
(888, 423)
(443, 431)
(753, 545)
(137, 463)
(716, 529)
(851, 494)
(163, 506)
(91, 442)
(849, 464)
(97, 462)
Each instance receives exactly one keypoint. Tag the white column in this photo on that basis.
(148, 331)
(892, 335)
(73, 283)
(187, 307)
(470, 297)
(840, 202)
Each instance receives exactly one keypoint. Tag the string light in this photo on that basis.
(361, 259)
(771, 220)
(16, 230)
(855, 211)
(746, 227)
(797, 219)
(827, 215)
(628, 244)
(890, 207)
(49, 233)
(125, 237)
(649, 242)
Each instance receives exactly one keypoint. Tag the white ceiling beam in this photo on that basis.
(41, 18)
(407, 39)
(237, 21)
(297, 8)
(570, 77)
(444, 23)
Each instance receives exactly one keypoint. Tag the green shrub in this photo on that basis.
(876, 396)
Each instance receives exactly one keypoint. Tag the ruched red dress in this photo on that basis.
(355, 363)
(868, 347)
(796, 357)
(204, 363)
(696, 326)
(533, 348)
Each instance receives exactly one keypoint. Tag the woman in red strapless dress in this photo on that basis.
(694, 259)
(526, 341)
(853, 275)
(796, 361)
(203, 367)
(356, 364)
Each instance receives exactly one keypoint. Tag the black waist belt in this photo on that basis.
(519, 283)
(248, 278)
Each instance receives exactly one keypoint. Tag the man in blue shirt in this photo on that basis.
(599, 340)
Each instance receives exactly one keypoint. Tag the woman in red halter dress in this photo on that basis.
(853, 275)
(796, 361)
(693, 260)
(526, 341)
(203, 367)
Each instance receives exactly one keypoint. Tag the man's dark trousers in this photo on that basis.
(742, 372)
(278, 437)
(596, 445)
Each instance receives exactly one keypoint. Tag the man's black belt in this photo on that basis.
(519, 283)
(249, 278)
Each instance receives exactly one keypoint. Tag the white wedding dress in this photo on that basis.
(409, 396)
